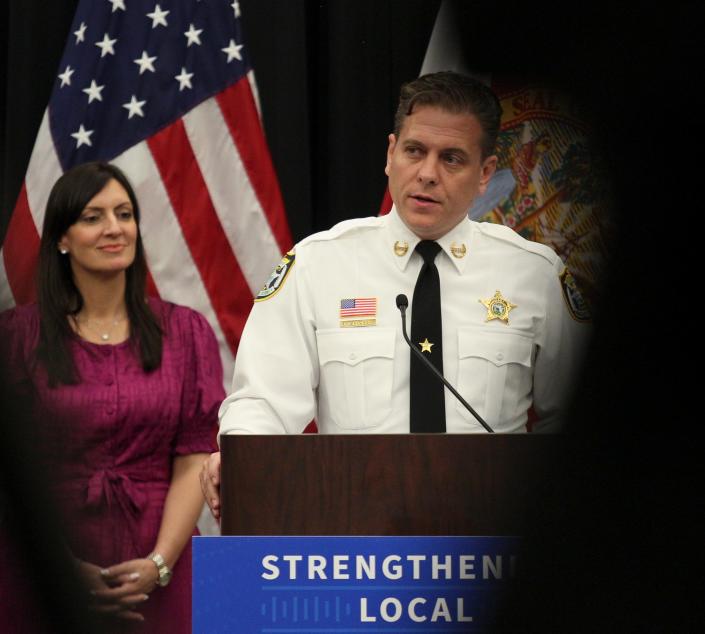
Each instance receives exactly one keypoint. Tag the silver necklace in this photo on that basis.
(105, 334)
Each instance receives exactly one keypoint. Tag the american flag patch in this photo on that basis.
(358, 307)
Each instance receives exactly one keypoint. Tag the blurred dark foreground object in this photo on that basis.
(39, 589)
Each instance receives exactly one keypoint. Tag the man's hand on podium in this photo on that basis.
(210, 483)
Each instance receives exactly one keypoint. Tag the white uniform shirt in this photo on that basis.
(295, 361)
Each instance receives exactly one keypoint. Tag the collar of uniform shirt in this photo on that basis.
(460, 235)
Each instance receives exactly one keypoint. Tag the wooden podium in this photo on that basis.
(397, 484)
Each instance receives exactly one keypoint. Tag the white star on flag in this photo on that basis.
(93, 91)
(158, 17)
(145, 62)
(81, 33)
(193, 35)
(65, 77)
(184, 79)
(82, 136)
(106, 46)
(233, 51)
(134, 107)
(117, 4)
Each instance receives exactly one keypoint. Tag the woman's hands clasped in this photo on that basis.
(120, 589)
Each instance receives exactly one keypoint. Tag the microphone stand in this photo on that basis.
(402, 304)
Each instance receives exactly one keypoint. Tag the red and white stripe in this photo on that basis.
(213, 222)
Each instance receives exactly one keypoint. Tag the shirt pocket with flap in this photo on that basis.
(494, 373)
(356, 375)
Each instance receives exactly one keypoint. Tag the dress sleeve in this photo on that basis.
(203, 389)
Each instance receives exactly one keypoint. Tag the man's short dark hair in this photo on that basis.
(455, 93)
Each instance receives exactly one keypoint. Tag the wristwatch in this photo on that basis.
(163, 570)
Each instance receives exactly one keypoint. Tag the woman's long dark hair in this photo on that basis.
(57, 294)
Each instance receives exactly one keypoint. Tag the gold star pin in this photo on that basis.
(497, 307)
(401, 247)
(426, 345)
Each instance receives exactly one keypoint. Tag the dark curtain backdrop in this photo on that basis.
(34, 35)
(615, 535)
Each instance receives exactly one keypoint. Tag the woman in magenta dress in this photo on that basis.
(126, 392)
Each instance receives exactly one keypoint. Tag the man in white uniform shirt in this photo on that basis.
(324, 338)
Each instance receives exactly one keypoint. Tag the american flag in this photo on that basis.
(166, 92)
(358, 307)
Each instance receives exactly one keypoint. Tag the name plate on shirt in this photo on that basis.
(348, 584)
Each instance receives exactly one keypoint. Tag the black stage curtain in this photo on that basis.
(33, 38)
(329, 74)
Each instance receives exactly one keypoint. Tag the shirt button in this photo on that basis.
(109, 380)
(353, 356)
(110, 411)
(500, 356)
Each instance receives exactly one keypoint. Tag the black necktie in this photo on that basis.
(427, 400)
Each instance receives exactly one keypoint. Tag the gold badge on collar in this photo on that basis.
(401, 247)
(458, 251)
(497, 307)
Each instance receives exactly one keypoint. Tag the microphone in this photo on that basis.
(402, 305)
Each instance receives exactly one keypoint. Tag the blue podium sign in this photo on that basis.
(278, 585)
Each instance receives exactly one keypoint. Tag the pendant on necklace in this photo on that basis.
(105, 336)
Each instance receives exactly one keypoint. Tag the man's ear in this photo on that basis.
(489, 166)
(390, 150)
